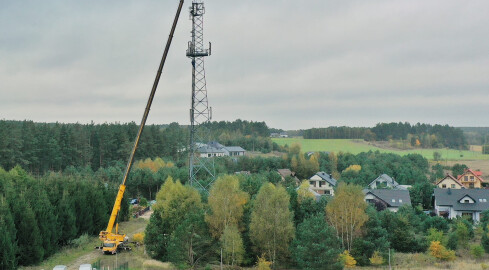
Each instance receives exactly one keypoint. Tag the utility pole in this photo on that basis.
(200, 112)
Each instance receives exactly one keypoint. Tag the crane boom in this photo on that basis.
(107, 235)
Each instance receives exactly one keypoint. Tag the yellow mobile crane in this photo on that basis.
(112, 242)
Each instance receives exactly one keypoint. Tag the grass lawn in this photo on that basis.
(355, 147)
(73, 257)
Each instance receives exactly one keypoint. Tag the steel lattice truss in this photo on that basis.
(200, 113)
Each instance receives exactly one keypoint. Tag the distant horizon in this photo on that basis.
(162, 124)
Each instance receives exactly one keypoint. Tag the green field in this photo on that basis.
(355, 147)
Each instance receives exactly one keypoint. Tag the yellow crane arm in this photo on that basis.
(116, 209)
(117, 205)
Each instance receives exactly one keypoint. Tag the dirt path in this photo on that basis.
(88, 258)
(130, 228)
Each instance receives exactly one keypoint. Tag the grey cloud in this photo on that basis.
(293, 64)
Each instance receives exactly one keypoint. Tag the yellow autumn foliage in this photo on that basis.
(263, 264)
(138, 237)
(346, 213)
(226, 202)
(348, 260)
(354, 168)
(153, 165)
(376, 259)
(438, 251)
(303, 192)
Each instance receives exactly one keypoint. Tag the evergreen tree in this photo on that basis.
(30, 250)
(66, 219)
(375, 239)
(46, 219)
(8, 244)
(190, 243)
(156, 238)
(316, 245)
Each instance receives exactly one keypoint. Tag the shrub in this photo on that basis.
(143, 202)
(435, 235)
(477, 251)
(262, 263)
(438, 251)
(138, 237)
(347, 259)
(376, 259)
(452, 242)
(80, 241)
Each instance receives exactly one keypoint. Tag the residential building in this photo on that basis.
(284, 173)
(452, 203)
(449, 182)
(323, 183)
(471, 179)
(215, 149)
(386, 182)
(233, 151)
(207, 152)
(390, 199)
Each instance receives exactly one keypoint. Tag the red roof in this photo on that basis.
(477, 174)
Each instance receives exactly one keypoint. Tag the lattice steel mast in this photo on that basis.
(200, 113)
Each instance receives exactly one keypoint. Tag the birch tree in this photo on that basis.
(271, 226)
(346, 213)
(226, 202)
(232, 245)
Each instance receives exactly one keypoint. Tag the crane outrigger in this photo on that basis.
(113, 241)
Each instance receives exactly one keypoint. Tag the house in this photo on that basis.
(323, 183)
(215, 149)
(207, 151)
(284, 135)
(316, 195)
(449, 182)
(233, 151)
(452, 203)
(284, 173)
(386, 182)
(390, 199)
(471, 179)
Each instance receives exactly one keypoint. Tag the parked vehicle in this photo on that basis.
(85, 267)
(60, 267)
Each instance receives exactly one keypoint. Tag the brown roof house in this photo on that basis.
(284, 173)
(471, 179)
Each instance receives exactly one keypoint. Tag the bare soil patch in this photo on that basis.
(480, 165)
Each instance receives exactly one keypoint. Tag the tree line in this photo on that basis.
(42, 147)
(422, 135)
(39, 216)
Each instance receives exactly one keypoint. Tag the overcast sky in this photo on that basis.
(293, 64)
